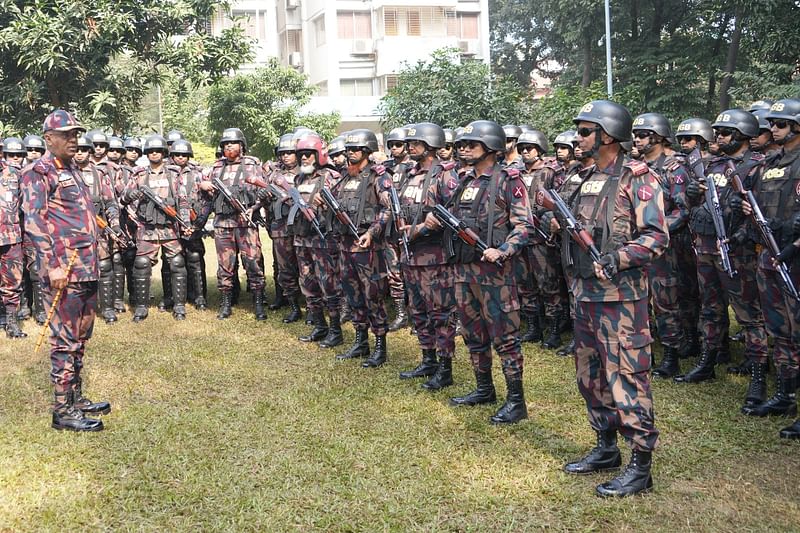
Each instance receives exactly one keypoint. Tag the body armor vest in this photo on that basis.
(147, 211)
(357, 198)
(778, 199)
(472, 194)
(221, 205)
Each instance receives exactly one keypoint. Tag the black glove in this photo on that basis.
(546, 220)
(693, 190)
(787, 254)
(134, 194)
(735, 203)
(610, 264)
(262, 194)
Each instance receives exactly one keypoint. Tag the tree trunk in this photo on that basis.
(634, 20)
(730, 64)
(55, 95)
(586, 78)
(712, 76)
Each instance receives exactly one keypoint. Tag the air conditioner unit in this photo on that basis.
(362, 47)
(292, 4)
(295, 59)
(468, 47)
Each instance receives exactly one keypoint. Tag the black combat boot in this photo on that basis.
(783, 402)
(568, 349)
(13, 331)
(443, 376)
(258, 305)
(347, 315)
(320, 330)
(791, 432)
(225, 305)
(553, 339)
(690, 344)
(85, 404)
(359, 348)
(179, 290)
(515, 408)
(280, 300)
(703, 370)
(197, 277)
(604, 456)
(118, 287)
(378, 355)
(334, 337)
(37, 303)
(401, 319)
(564, 320)
(724, 352)
(66, 416)
(757, 391)
(426, 368)
(635, 479)
(141, 291)
(738, 336)
(484, 392)
(105, 297)
(533, 333)
(309, 318)
(295, 313)
(670, 365)
(24, 312)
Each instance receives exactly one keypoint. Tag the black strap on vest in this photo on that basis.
(362, 196)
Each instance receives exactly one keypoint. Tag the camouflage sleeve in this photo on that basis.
(110, 206)
(383, 213)
(678, 216)
(640, 207)
(519, 218)
(36, 190)
(133, 185)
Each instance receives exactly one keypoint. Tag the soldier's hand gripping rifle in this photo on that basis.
(119, 238)
(168, 210)
(766, 234)
(340, 214)
(397, 216)
(233, 201)
(461, 230)
(307, 211)
(550, 199)
(712, 204)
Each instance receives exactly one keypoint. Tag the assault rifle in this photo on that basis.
(119, 238)
(340, 214)
(231, 199)
(461, 230)
(168, 210)
(305, 209)
(551, 200)
(397, 216)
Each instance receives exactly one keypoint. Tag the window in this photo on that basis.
(462, 25)
(388, 83)
(354, 24)
(390, 22)
(252, 22)
(319, 30)
(356, 87)
(413, 23)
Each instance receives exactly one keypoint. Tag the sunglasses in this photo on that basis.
(526, 147)
(585, 132)
(85, 150)
(642, 134)
(396, 144)
(305, 153)
(448, 146)
(724, 132)
(780, 124)
(354, 149)
(470, 144)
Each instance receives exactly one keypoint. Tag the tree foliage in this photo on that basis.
(264, 105)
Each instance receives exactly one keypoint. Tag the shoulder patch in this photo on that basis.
(380, 170)
(638, 168)
(645, 193)
(512, 172)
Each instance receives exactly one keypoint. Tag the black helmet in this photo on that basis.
(133, 143)
(655, 122)
(525, 127)
(449, 136)
(115, 143)
(487, 132)
(764, 104)
(336, 146)
(695, 127)
(565, 138)
(34, 142)
(14, 145)
(761, 116)
(85, 142)
(614, 118)
(181, 147)
(155, 143)
(361, 138)
(738, 119)
(427, 132)
(511, 131)
(536, 138)
(397, 134)
(174, 135)
(286, 143)
(786, 109)
(97, 137)
(459, 133)
(234, 135)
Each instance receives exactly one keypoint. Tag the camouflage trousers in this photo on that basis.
(688, 288)
(365, 285)
(234, 242)
(431, 301)
(11, 276)
(71, 327)
(288, 274)
(612, 364)
(396, 283)
(527, 286)
(320, 281)
(546, 269)
(781, 317)
(490, 317)
(664, 279)
(717, 289)
(150, 249)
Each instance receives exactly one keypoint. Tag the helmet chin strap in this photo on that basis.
(478, 160)
(789, 136)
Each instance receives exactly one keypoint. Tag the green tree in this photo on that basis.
(265, 104)
(452, 92)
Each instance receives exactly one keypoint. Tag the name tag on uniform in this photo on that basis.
(352, 185)
(469, 194)
(415, 193)
(396, 177)
(592, 187)
(159, 183)
(65, 179)
(306, 188)
(88, 179)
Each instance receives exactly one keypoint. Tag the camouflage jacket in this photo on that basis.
(103, 197)
(365, 197)
(234, 175)
(673, 176)
(10, 228)
(302, 229)
(154, 224)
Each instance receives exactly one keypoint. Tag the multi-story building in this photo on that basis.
(352, 50)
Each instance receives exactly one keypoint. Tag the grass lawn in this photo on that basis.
(237, 426)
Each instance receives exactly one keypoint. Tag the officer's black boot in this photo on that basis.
(443, 376)
(13, 331)
(604, 456)
(635, 479)
(200, 302)
(515, 408)
(426, 368)
(280, 300)
(141, 290)
(85, 404)
(378, 355)
(359, 348)
(309, 318)
(553, 339)
(295, 313)
(320, 330)
(334, 337)
(37, 305)
(484, 393)
(66, 416)
(347, 315)
(703, 370)
(783, 402)
(534, 331)
(179, 290)
(401, 319)
(791, 432)
(105, 296)
(757, 391)
(568, 349)
(167, 302)
(225, 305)
(670, 365)
(258, 305)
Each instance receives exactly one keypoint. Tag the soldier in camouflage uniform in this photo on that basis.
(337, 154)
(233, 235)
(158, 232)
(621, 205)
(446, 153)
(493, 203)
(11, 256)
(512, 157)
(427, 273)
(398, 164)
(652, 139)
(60, 220)
(128, 219)
(34, 147)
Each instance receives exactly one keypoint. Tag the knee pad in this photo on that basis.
(177, 262)
(193, 257)
(106, 266)
(141, 263)
(117, 259)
